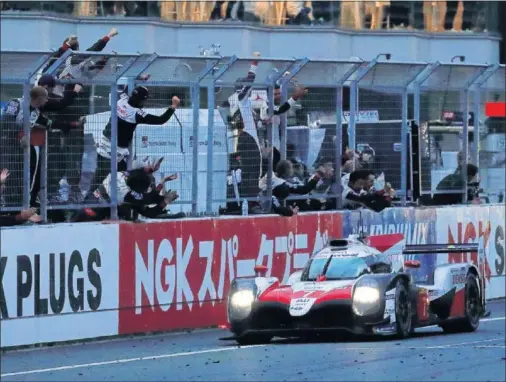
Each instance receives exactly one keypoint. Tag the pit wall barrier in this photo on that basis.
(84, 281)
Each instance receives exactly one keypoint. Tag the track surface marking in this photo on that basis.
(429, 355)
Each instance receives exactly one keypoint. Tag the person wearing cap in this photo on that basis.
(130, 114)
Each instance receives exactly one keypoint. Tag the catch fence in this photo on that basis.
(414, 122)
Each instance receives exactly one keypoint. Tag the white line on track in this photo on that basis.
(218, 350)
(482, 320)
(464, 343)
(126, 360)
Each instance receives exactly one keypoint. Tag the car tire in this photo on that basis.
(403, 310)
(472, 309)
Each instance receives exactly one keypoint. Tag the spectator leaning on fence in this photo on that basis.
(355, 195)
(249, 148)
(39, 124)
(76, 67)
(282, 189)
(135, 194)
(275, 120)
(56, 155)
(130, 114)
(453, 184)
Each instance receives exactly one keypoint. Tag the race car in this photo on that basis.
(362, 285)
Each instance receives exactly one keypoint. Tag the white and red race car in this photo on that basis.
(359, 286)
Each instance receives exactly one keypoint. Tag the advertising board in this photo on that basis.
(470, 224)
(417, 225)
(177, 274)
(58, 283)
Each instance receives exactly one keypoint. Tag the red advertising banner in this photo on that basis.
(176, 275)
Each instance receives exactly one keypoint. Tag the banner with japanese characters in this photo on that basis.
(177, 274)
(470, 225)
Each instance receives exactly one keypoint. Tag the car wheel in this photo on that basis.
(472, 309)
(403, 309)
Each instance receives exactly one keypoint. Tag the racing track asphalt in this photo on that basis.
(429, 355)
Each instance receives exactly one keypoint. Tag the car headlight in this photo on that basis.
(241, 303)
(242, 299)
(366, 297)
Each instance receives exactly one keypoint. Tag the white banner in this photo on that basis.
(468, 225)
(58, 283)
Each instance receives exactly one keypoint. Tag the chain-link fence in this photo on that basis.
(452, 122)
(248, 135)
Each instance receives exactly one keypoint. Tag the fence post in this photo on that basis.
(404, 148)
(282, 122)
(114, 152)
(476, 126)
(195, 98)
(465, 140)
(27, 184)
(352, 120)
(43, 177)
(130, 87)
(210, 147)
(270, 100)
(339, 143)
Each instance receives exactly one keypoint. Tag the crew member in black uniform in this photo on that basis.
(77, 66)
(39, 123)
(130, 114)
(135, 194)
(56, 149)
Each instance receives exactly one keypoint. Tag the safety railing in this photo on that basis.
(402, 119)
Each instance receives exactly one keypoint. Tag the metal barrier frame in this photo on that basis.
(464, 95)
(212, 76)
(132, 58)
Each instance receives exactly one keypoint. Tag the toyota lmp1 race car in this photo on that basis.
(360, 285)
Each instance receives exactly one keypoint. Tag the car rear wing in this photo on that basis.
(431, 249)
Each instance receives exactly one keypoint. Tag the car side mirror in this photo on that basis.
(260, 270)
(412, 264)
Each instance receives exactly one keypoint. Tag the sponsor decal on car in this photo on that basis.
(300, 306)
(390, 305)
(385, 329)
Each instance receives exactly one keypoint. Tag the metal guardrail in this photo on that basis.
(350, 104)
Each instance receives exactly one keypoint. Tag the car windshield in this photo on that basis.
(339, 268)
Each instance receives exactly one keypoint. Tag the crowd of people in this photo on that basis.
(56, 124)
(53, 119)
(433, 16)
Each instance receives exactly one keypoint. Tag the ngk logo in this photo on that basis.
(164, 275)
